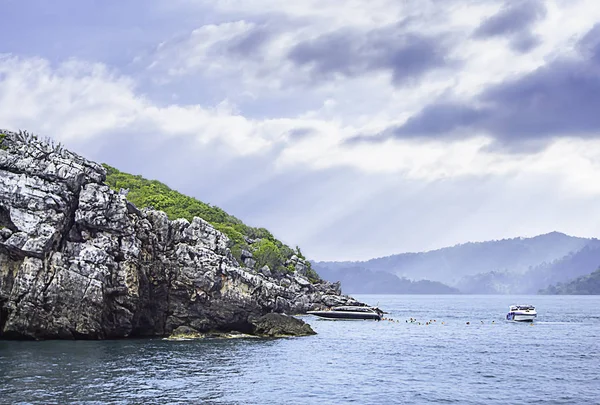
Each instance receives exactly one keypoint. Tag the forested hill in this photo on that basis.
(358, 280)
(584, 285)
(255, 247)
(450, 265)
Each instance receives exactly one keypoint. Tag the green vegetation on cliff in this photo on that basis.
(266, 250)
(584, 285)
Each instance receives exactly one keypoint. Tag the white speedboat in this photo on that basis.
(521, 313)
(350, 313)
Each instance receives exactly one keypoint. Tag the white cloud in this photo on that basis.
(199, 51)
(369, 100)
(79, 101)
(337, 200)
(73, 99)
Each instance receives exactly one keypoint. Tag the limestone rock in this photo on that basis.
(278, 325)
(333, 300)
(299, 265)
(266, 271)
(77, 260)
(302, 280)
(250, 263)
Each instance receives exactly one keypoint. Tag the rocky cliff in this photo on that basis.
(77, 260)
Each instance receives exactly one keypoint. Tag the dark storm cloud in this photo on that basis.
(300, 133)
(516, 17)
(559, 99)
(351, 52)
(515, 20)
(589, 46)
(252, 42)
(524, 42)
(439, 119)
(563, 98)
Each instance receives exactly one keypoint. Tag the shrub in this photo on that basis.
(236, 240)
(267, 253)
(151, 193)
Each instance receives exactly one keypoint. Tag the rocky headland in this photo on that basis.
(79, 261)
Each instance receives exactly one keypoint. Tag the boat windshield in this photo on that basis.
(522, 307)
(353, 309)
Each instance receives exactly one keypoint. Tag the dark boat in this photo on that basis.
(350, 313)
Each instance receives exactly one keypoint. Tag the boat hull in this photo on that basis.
(517, 317)
(349, 316)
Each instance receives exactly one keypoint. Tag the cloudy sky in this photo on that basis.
(353, 129)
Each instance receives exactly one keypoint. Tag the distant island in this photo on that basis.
(358, 280)
(507, 266)
(584, 285)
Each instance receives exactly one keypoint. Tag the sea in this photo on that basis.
(460, 350)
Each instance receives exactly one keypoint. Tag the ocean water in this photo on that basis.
(554, 361)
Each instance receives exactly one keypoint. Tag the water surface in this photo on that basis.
(490, 361)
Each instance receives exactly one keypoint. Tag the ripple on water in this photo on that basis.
(554, 362)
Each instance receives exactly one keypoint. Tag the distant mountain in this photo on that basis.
(358, 280)
(566, 268)
(508, 266)
(584, 285)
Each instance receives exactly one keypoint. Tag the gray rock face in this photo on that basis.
(266, 271)
(77, 260)
(277, 325)
(298, 264)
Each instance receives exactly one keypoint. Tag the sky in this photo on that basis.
(353, 129)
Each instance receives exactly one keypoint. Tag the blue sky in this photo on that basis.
(353, 129)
